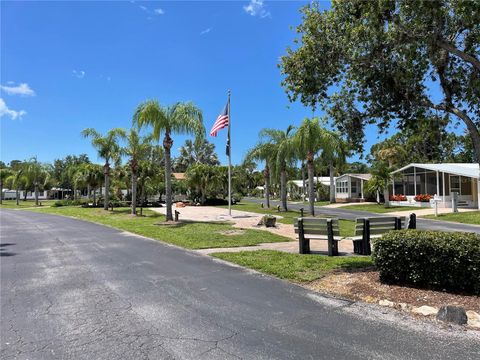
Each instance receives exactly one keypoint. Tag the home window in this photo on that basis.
(342, 186)
(455, 184)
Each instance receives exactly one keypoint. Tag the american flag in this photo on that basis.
(222, 120)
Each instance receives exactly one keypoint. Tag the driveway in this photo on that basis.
(76, 290)
(424, 224)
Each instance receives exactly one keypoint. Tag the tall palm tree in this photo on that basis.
(137, 149)
(284, 149)
(108, 149)
(266, 153)
(308, 140)
(180, 118)
(38, 174)
(334, 153)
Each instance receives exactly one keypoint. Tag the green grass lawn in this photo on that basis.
(294, 267)
(379, 208)
(347, 227)
(472, 217)
(188, 235)
(11, 204)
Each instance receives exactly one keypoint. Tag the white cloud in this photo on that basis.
(159, 11)
(5, 111)
(144, 8)
(206, 31)
(256, 8)
(21, 89)
(80, 74)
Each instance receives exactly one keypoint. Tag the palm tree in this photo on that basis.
(201, 177)
(334, 152)
(4, 174)
(199, 151)
(180, 118)
(38, 174)
(15, 181)
(265, 152)
(137, 150)
(108, 149)
(284, 149)
(379, 181)
(308, 140)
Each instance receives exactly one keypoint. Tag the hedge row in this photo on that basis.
(430, 259)
(59, 203)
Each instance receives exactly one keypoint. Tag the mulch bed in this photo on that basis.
(366, 286)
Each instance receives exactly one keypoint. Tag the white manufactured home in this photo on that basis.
(441, 180)
(350, 187)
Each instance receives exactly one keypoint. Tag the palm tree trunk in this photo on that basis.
(17, 194)
(94, 196)
(303, 181)
(134, 193)
(1, 192)
(283, 188)
(167, 145)
(311, 185)
(332, 184)
(89, 192)
(106, 196)
(386, 196)
(266, 174)
(36, 194)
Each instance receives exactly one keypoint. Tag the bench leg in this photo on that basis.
(330, 247)
(303, 245)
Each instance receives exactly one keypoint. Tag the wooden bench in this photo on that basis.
(317, 229)
(374, 227)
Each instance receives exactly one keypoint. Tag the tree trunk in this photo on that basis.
(283, 188)
(106, 196)
(94, 196)
(266, 174)
(386, 197)
(89, 192)
(1, 192)
(134, 193)
(36, 194)
(17, 194)
(332, 183)
(303, 181)
(311, 186)
(167, 145)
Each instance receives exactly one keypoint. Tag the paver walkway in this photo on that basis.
(249, 220)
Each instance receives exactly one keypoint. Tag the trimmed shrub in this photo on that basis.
(430, 259)
(236, 198)
(59, 203)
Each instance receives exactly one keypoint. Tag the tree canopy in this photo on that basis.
(377, 62)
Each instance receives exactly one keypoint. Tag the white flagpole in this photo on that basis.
(229, 159)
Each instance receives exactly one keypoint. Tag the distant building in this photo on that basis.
(350, 187)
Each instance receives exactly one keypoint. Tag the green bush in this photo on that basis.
(59, 203)
(430, 259)
(236, 198)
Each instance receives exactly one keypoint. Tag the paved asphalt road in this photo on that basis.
(76, 290)
(424, 224)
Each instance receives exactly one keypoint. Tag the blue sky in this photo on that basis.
(66, 66)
